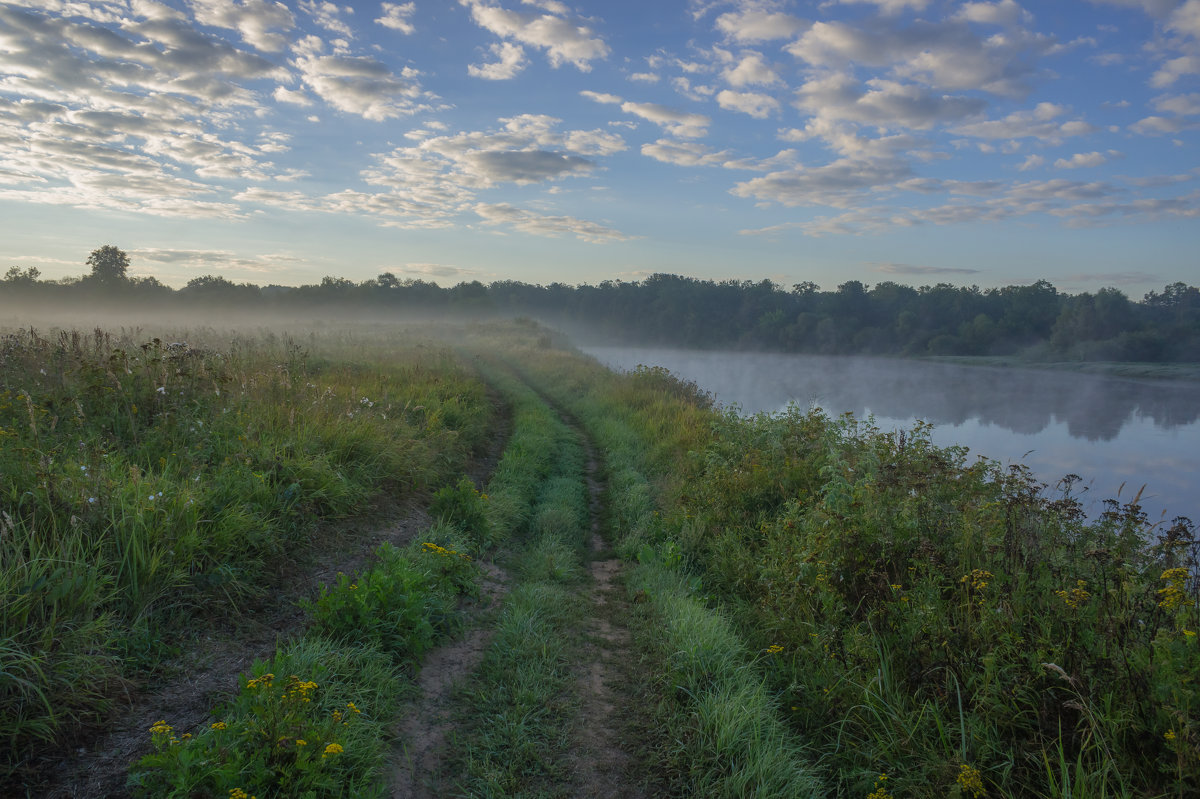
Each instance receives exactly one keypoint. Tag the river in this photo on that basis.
(1117, 434)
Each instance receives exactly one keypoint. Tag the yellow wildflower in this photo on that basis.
(1076, 596)
(971, 780)
(161, 728)
(301, 742)
(217, 725)
(978, 578)
(881, 791)
(1169, 735)
(332, 749)
(1173, 595)
(774, 649)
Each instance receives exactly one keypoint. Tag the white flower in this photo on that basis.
(91, 500)
(161, 390)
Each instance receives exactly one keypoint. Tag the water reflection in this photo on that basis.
(1117, 433)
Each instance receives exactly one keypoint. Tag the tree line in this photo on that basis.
(1035, 321)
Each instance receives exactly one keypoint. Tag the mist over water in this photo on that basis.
(1117, 434)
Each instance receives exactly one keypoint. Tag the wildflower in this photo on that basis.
(971, 780)
(332, 749)
(217, 725)
(301, 742)
(1076, 596)
(978, 578)
(1169, 735)
(881, 791)
(91, 500)
(1189, 633)
(161, 728)
(774, 649)
(1173, 595)
(352, 708)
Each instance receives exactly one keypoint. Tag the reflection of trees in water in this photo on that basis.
(1022, 401)
(1092, 407)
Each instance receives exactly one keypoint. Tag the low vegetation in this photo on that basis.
(823, 608)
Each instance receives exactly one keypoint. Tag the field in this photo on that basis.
(471, 562)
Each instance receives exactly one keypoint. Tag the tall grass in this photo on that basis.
(143, 477)
(945, 622)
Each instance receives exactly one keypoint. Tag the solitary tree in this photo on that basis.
(108, 264)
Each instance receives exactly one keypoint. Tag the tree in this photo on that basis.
(109, 264)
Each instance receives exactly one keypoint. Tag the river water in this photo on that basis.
(1117, 434)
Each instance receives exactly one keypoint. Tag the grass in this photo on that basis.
(149, 483)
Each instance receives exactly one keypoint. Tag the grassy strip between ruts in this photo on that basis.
(513, 737)
(719, 733)
(146, 483)
(922, 625)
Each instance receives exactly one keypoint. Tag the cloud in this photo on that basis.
(1174, 69)
(759, 106)
(255, 21)
(1004, 13)
(677, 123)
(510, 60)
(1155, 8)
(944, 55)
(840, 183)
(1040, 122)
(398, 17)
(751, 70)
(357, 84)
(546, 225)
(440, 270)
(839, 97)
(891, 6)
(683, 153)
(328, 16)
(1158, 125)
(283, 94)
(564, 40)
(891, 268)
(1183, 104)
(600, 97)
(216, 259)
(756, 25)
(1031, 162)
(1113, 278)
(1080, 160)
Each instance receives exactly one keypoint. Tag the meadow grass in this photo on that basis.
(147, 482)
(913, 622)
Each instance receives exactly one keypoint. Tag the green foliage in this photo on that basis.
(317, 732)
(146, 482)
(398, 605)
(463, 505)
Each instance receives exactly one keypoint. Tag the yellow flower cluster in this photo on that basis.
(1174, 594)
(774, 649)
(300, 689)
(442, 551)
(332, 749)
(261, 682)
(217, 725)
(238, 793)
(161, 728)
(1076, 596)
(1169, 735)
(978, 578)
(881, 791)
(971, 780)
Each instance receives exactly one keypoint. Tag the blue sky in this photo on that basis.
(910, 140)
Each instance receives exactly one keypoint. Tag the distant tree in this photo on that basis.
(25, 277)
(109, 264)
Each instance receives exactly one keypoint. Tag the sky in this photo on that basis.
(916, 141)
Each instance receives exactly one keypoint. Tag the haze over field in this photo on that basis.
(978, 142)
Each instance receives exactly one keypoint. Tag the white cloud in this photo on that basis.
(645, 77)
(1174, 69)
(840, 183)
(752, 70)
(759, 106)
(510, 60)
(398, 17)
(892, 6)
(683, 153)
(757, 25)
(1080, 160)
(283, 94)
(1157, 125)
(839, 97)
(677, 123)
(1186, 19)
(539, 224)
(254, 20)
(1004, 13)
(1041, 122)
(564, 40)
(328, 16)
(600, 97)
(1031, 162)
(1155, 8)
(357, 84)
(1183, 104)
